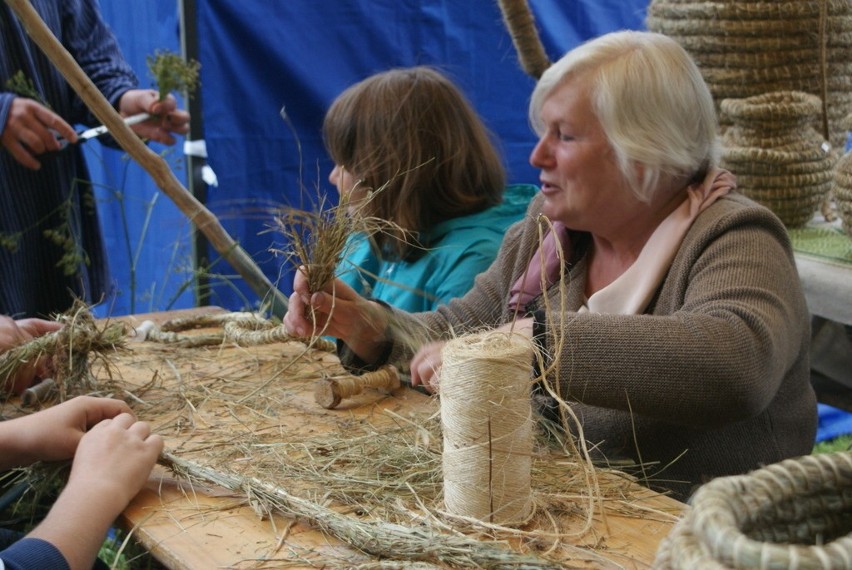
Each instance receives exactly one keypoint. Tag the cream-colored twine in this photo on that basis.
(486, 416)
(551, 380)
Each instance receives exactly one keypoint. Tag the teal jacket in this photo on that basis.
(461, 249)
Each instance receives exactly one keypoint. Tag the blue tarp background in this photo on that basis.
(260, 55)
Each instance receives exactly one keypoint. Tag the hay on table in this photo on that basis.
(246, 416)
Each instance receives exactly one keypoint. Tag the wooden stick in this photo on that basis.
(39, 393)
(331, 391)
(195, 211)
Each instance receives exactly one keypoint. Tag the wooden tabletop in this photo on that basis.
(269, 402)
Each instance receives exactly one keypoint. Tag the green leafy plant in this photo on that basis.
(20, 84)
(172, 73)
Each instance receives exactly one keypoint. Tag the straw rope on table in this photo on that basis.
(244, 418)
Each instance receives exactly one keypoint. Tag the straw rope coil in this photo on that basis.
(792, 514)
(486, 419)
(242, 329)
(778, 157)
(842, 188)
(748, 48)
(520, 23)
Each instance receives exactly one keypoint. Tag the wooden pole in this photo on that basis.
(157, 168)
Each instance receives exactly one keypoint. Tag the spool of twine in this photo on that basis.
(486, 415)
(749, 47)
(780, 160)
(842, 188)
(793, 514)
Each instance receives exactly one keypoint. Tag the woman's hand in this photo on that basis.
(426, 366)
(336, 311)
(31, 129)
(166, 117)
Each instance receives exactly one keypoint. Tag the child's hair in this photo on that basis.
(412, 134)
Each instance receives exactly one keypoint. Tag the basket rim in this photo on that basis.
(772, 105)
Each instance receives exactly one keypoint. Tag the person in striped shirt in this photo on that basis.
(51, 249)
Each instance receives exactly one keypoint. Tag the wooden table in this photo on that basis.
(201, 526)
(827, 285)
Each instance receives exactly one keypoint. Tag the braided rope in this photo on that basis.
(240, 328)
(520, 23)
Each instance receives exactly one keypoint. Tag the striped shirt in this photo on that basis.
(50, 244)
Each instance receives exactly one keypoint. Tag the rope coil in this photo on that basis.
(792, 514)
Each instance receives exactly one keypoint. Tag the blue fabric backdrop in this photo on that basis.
(259, 56)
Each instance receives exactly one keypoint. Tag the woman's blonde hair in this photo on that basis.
(652, 102)
(413, 140)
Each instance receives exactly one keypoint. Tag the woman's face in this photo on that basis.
(580, 179)
(347, 187)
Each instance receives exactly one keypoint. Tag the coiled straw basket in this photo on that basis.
(792, 514)
(750, 47)
(843, 185)
(779, 159)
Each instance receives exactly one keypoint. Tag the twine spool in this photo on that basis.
(486, 417)
(749, 47)
(792, 514)
(842, 188)
(779, 159)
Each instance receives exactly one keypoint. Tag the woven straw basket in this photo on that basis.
(792, 514)
(779, 159)
(842, 189)
(746, 48)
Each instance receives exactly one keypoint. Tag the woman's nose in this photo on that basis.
(334, 175)
(540, 155)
